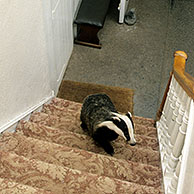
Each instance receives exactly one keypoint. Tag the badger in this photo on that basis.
(100, 119)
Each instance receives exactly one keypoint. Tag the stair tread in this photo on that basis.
(122, 150)
(62, 104)
(71, 122)
(9, 186)
(80, 159)
(59, 179)
(148, 122)
(51, 153)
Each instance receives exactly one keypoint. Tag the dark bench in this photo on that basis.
(90, 19)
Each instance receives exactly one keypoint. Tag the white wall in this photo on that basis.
(62, 20)
(76, 4)
(59, 15)
(36, 41)
(24, 79)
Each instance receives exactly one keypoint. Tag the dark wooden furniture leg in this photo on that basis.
(88, 35)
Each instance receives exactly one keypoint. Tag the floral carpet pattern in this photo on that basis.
(50, 153)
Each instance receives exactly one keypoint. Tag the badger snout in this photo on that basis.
(133, 144)
(132, 141)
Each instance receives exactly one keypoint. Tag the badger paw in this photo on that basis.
(106, 145)
(83, 126)
(109, 149)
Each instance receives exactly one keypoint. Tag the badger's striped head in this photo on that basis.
(123, 125)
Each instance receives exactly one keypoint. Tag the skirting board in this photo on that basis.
(11, 125)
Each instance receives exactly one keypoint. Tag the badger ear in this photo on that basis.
(116, 121)
(129, 114)
(116, 118)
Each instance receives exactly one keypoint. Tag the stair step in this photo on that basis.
(61, 180)
(122, 150)
(147, 122)
(81, 160)
(71, 122)
(67, 104)
(58, 105)
(8, 186)
(67, 124)
(65, 110)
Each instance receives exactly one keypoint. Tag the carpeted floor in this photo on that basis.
(139, 57)
(50, 153)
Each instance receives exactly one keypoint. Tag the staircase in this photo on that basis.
(50, 153)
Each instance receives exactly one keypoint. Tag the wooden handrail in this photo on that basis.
(184, 79)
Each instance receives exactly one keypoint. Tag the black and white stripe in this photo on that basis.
(122, 125)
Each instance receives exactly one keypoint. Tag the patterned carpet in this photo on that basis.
(50, 153)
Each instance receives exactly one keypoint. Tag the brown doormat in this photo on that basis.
(77, 91)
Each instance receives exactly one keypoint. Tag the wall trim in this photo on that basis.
(11, 125)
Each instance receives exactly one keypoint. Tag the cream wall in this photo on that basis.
(76, 4)
(58, 17)
(24, 79)
(36, 41)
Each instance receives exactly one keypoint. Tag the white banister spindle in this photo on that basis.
(172, 99)
(175, 126)
(176, 152)
(174, 123)
(174, 181)
(178, 136)
(162, 124)
(181, 111)
(171, 119)
(186, 178)
(172, 134)
(176, 108)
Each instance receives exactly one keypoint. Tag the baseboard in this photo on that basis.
(11, 125)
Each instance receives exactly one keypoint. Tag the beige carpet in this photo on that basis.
(50, 153)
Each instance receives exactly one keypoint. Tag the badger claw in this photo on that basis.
(109, 149)
(83, 126)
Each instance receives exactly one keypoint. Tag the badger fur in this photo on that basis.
(103, 123)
